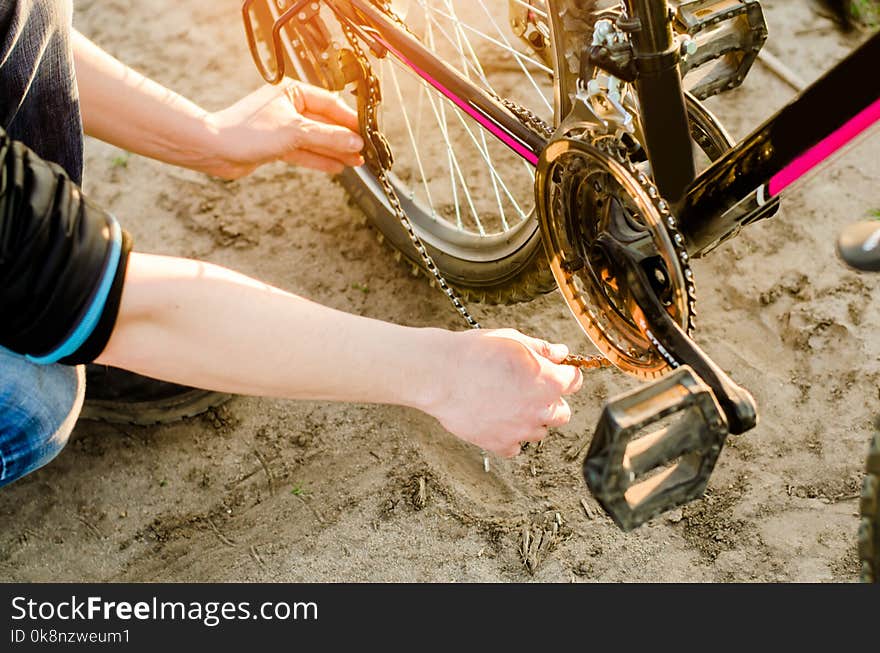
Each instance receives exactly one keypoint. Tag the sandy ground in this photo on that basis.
(266, 490)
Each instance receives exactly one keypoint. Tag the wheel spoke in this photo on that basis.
(496, 178)
(482, 203)
(412, 141)
(473, 65)
(484, 150)
(439, 109)
(520, 57)
(442, 125)
(441, 119)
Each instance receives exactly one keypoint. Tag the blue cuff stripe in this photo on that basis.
(93, 315)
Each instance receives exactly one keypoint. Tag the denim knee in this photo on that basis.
(39, 406)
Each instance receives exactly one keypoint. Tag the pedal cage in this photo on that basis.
(618, 458)
(729, 32)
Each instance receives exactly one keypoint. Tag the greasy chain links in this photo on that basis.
(382, 162)
(382, 166)
(615, 149)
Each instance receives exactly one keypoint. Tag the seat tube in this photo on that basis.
(661, 100)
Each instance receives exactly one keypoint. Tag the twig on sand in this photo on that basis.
(94, 529)
(265, 465)
(241, 479)
(536, 542)
(574, 451)
(420, 497)
(256, 556)
(591, 514)
(316, 513)
(220, 536)
(128, 435)
(782, 71)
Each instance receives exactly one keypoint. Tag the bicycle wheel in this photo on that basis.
(469, 198)
(869, 527)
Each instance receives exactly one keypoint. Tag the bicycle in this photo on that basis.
(594, 125)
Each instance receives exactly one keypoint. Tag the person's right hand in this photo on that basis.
(501, 388)
(295, 122)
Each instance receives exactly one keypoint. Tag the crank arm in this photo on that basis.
(673, 343)
(655, 448)
(679, 349)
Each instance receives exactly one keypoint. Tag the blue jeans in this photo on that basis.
(39, 106)
(39, 405)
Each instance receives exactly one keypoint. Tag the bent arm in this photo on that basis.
(199, 324)
(292, 122)
(123, 107)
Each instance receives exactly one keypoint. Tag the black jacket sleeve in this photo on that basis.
(62, 262)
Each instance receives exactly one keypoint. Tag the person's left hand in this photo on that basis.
(294, 122)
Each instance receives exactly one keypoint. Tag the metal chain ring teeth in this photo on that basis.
(588, 192)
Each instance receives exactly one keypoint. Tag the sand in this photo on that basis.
(265, 490)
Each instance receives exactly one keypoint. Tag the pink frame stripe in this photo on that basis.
(824, 149)
(473, 112)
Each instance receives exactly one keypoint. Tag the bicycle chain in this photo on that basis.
(527, 117)
(380, 159)
(613, 148)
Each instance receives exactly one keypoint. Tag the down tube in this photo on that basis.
(473, 100)
(825, 118)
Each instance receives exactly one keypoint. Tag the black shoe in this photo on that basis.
(121, 397)
(859, 245)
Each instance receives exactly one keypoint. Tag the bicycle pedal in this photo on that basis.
(655, 447)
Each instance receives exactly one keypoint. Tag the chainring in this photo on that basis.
(587, 191)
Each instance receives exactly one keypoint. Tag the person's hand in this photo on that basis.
(501, 388)
(294, 122)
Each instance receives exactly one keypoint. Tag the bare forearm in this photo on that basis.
(123, 107)
(292, 122)
(202, 325)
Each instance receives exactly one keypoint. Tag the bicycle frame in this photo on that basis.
(740, 188)
(745, 185)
